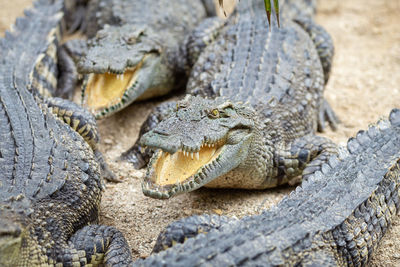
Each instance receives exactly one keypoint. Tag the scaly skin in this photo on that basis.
(50, 184)
(335, 218)
(136, 51)
(265, 142)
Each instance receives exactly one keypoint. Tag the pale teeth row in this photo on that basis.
(209, 145)
(186, 154)
(192, 154)
(119, 76)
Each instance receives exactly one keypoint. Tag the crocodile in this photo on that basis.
(136, 50)
(335, 218)
(254, 103)
(50, 182)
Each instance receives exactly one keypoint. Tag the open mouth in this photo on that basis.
(107, 92)
(185, 168)
(107, 89)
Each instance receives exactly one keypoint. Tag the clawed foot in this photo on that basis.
(326, 114)
(137, 155)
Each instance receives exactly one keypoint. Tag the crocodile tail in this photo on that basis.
(31, 46)
(356, 144)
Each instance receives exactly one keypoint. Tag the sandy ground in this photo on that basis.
(363, 88)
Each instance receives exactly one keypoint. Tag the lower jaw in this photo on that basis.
(206, 173)
(194, 182)
(106, 112)
(153, 190)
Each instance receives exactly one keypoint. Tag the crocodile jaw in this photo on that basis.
(170, 169)
(106, 93)
(172, 174)
(106, 90)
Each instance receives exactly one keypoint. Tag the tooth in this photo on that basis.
(213, 151)
(191, 155)
(212, 145)
(122, 76)
(142, 149)
(197, 156)
(184, 153)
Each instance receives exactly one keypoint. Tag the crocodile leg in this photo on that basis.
(305, 156)
(68, 54)
(179, 231)
(313, 151)
(326, 114)
(84, 123)
(101, 244)
(138, 155)
(68, 75)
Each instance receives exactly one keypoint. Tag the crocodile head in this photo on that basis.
(10, 241)
(123, 64)
(201, 141)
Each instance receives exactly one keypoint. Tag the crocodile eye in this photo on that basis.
(214, 113)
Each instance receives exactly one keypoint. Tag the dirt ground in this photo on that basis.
(364, 86)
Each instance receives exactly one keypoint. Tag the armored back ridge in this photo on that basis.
(50, 184)
(335, 218)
